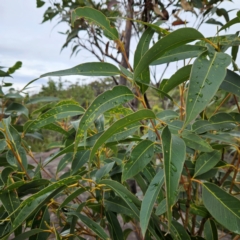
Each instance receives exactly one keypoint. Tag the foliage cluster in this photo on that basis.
(185, 160)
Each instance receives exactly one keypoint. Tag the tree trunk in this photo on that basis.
(127, 38)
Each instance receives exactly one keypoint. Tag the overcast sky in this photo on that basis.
(24, 38)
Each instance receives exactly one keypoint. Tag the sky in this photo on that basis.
(24, 38)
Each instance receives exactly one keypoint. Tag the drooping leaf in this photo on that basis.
(103, 171)
(28, 234)
(87, 69)
(119, 125)
(177, 78)
(96, 228)
(15, 67)
(174, 151)
(180, 53)
(231, 22)
(178, 232)
(231, 83)
(36, 100)
(115, 228)
(142, 48)
(213, 21)
(94, 16)
(171, 41)
(58, 112)
(104, 102)
(149, 200)
(203, 84)
(206, 162)
(162, 207)
(210, 230)
(4, 74)
(222, 206)
(141, 155)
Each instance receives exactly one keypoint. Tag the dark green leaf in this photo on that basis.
(171, 41)
(178, 232)
(15, 67)
(36, 100)
(149, 200)
(141, 155)
(115, 228)
(210, 230)
(222, 206)
(203, 85)
(174, 151)
(87, 69)
(17, 108)
(28, 234)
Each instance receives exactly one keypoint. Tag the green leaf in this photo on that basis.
(119, 125)
(141, 155)
(142, 48)
(149, 200)
(36, 100)
(210, 230)
(174, 150)
(162, 207)
(171, 41)
(41, 219)
(94, 16)
(4, 74)
(104, 102)
(203, 85)
(64, 162)
(115, 228)
(15, 108)
(15, 67)
(231, 83)
(79, 160)
(28, 234)
(177, 78)
(167, 115)
(231, 22)
(213, 21)
(180, 53)
(87, 69)
(58, 112)
(222, 206)
(103, 171)
(206, 162)
(178, 232)
(217, 122)
(196, 142)
(40, 3)
(97, 229)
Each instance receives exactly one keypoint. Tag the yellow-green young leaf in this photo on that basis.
(94, 16)
(52, 115)
(174, 150)
(205, 79)
(142, 48)
(149, 200)
(231, 83)
(171, 41)
(103, 103)
(206, 162)
(222, 206)
(180, 53)
(119, 125)
(141, 155)
(87, 69)
(210, 230)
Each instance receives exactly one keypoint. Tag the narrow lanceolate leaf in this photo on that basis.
(87, 69)
(171, 41)
(28, 234)
(176, 79)
(142, 48)
(210, 230)
(149, 200)
(58, 112)
(174, 150)
(235, 20)
(231, 83)
(178, 232)
(94, 16)
(119, 125)
(180, 53)
(206, 77)
(115, 228)
(206, 162)
(103, 103)
(222, 206)
(141, 155)
(97, 229)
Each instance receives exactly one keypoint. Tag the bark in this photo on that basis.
(127, 38)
